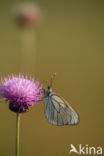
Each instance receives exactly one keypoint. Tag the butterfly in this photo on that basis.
(57, 109)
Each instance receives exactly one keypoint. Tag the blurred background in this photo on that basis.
(70, 42)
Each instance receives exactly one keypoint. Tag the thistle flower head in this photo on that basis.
(27, 14)
(21, 92)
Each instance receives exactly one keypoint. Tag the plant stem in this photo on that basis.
(28, 51)
(17, 133)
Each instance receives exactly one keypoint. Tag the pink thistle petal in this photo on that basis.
(21, 92)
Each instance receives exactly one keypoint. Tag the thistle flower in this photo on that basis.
(27, 14)
(21, 92)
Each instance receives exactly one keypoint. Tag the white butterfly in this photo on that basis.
(57, 109)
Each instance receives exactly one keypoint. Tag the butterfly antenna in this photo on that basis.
(45, 82)
(52, 78)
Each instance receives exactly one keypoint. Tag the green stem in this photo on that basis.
(17, 133)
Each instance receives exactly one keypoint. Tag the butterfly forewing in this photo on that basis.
(59, 112)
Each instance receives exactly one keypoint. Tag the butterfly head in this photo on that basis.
(49, 88)
(48, 91)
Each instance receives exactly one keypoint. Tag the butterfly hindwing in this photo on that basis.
(59, 112)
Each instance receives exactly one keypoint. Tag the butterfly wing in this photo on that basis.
(59, 112)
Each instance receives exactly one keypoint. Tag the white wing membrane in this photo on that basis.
(58, 112)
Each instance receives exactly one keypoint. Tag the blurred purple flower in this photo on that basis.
(27, 14)
(21, 92)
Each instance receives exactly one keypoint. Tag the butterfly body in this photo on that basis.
(57, 109)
